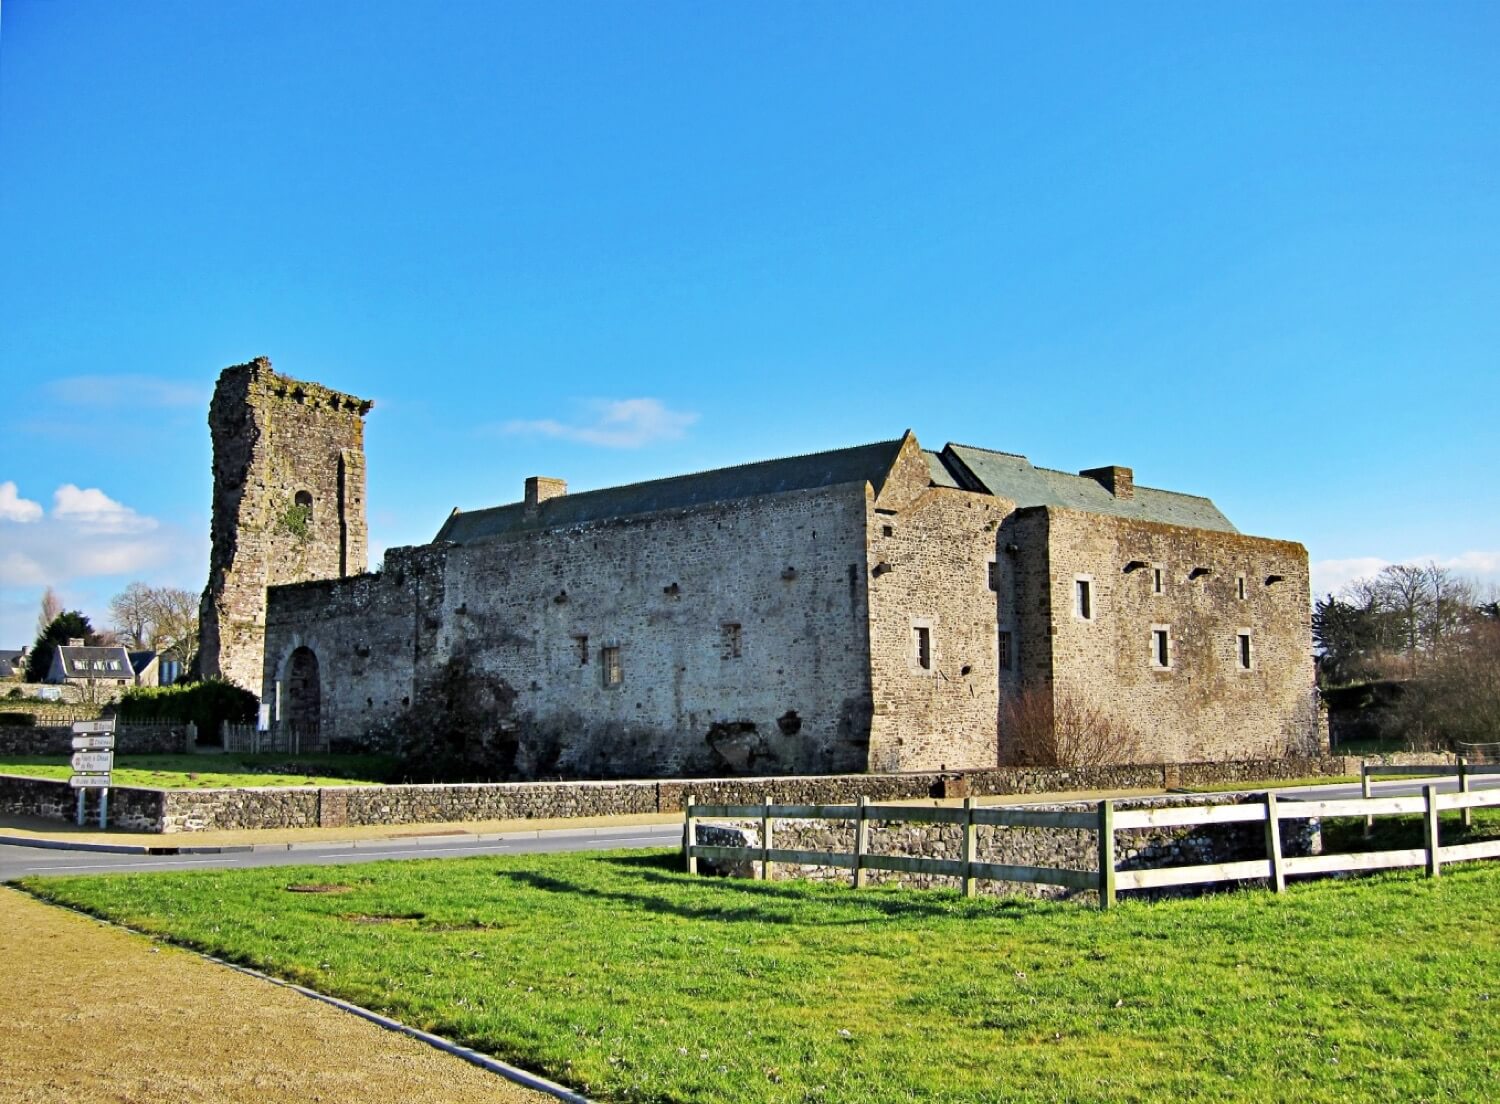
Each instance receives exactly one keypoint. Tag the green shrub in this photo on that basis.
(15, 694)
(21, 720)
(206, 704)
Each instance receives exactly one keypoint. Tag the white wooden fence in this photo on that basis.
(1105, 821)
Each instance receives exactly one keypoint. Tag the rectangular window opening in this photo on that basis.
(731, 638)
(924, 647)
(609, 659)
(1244, 639)
(993, 576)
(581, 643)
(1003, 650)
(1240, 586)
(1158, 580)
(1083, 599)
(1161, 648)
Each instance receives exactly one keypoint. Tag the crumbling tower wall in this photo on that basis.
(288, 505)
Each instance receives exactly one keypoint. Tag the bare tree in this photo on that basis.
(164, 619)
(52, 608)
(1042, 728)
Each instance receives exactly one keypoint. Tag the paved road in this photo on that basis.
(18, 861)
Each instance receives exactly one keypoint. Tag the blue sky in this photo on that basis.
(1251, 251)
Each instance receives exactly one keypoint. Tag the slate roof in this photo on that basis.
(1003, 474)
(11, 659)
(862, 463)
(79, 662)
(139, 661)
(1008, 475)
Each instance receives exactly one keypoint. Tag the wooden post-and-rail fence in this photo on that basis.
(1104, 820)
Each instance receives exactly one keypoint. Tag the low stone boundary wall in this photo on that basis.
(138, 810)
(151, 739)
(306, 807)
(1056, 848)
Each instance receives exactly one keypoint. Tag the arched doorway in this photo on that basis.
(304, 695)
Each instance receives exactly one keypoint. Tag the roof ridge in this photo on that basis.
(575, 495)
(992, 452)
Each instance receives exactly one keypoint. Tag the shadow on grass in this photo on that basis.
(766, 902)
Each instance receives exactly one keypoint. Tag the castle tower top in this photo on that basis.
(288, 504)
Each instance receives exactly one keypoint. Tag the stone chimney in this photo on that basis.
(539, 488)
(1118, 481)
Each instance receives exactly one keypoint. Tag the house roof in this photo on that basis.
(80, 662)
(139, 661)
(862, 463)
(12, 659)
(1011, 476)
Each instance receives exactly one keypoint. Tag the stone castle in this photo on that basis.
(876, 608)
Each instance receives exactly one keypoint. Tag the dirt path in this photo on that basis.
(93, 1014)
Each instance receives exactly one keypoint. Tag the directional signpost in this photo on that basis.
(93, 759)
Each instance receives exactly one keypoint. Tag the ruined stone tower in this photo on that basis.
(289, 504)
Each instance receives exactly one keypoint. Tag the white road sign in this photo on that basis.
(90, 781)
(93, 760)
(104, 724)
(93, 743)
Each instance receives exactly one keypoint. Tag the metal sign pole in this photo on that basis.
(103, 806)
(80, 808)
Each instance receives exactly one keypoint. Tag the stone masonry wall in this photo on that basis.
(740, 630)
(934, 560)
(338, 806)
(58, 740)
(275, 439)
(1204, 705)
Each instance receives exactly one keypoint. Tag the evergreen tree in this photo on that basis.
(66, 626)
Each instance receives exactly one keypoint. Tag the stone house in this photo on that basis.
(876, 608)
(98, 672)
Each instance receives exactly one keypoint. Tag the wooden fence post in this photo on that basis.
(1364, 792)
(1463, 787)
(971, 840)
(861, 841)
(1273, 844)
(1434, 851)
(689, 835)
(1106, 854)
(765, 843)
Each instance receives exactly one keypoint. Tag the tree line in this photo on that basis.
(1431, 632)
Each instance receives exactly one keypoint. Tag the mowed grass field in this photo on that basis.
(622, 976)
(182, 772)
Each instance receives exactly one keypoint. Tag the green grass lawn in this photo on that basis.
(621, 976)
(180, 772)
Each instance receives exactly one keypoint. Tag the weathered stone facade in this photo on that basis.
(288, 505)
(879, 608)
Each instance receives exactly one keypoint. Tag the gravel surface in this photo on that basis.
(95, 1014)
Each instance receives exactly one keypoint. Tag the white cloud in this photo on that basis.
(616, 423)
(15, 508)
(17, 569)
(93, 511)
(1331, 576)
(115, 391)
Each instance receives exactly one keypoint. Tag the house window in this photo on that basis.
(1239, 584)
(729, 640)
(1083, 598)
(1244, 651)
(1161, 647)
(922, 639)
(609, 659)
(98, 664)
(114, 665)
(1003, 650)
(581, 644)
(993, 576)
(1158, 579)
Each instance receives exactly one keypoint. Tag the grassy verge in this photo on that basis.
(620, 975)
(180, 772)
